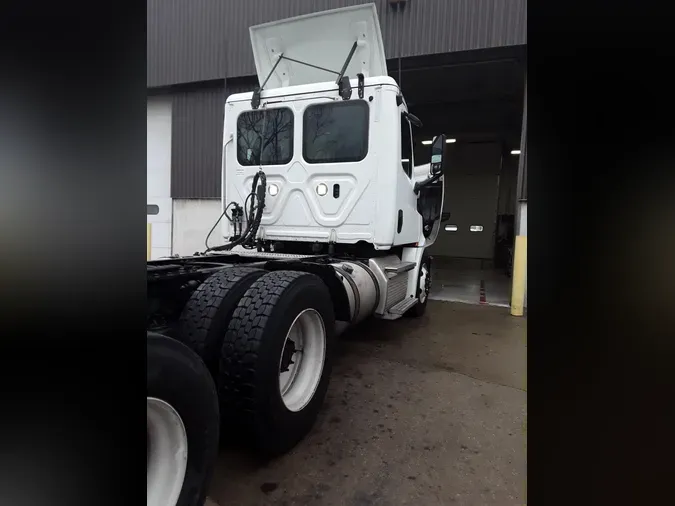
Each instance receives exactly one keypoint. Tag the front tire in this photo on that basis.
(277, 358)
(182, 424)
(423, 288)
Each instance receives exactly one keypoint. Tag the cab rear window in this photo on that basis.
(265, 137)
(335, 132)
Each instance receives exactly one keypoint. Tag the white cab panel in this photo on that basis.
(362, 197)
(323, 39)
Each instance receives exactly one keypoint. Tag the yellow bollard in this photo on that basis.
(519, 276)
(149, 247)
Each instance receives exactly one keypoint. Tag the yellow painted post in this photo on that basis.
(519, 276)
(149, 247)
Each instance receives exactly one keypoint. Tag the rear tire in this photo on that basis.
(179, 384)
(206, 315)
(249, 383)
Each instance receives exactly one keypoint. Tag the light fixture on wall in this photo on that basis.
(515, 152)
(405, 159)
(447, 141)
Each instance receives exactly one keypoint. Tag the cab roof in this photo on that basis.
(320, 87)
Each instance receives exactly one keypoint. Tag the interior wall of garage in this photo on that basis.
(508, 184)
(490, 198)
(471, 194)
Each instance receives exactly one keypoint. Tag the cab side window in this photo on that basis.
(406, 146)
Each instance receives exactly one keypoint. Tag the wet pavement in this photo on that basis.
(428, 411)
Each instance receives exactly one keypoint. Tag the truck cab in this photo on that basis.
(338, 169)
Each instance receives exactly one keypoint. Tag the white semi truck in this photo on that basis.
(326, 221)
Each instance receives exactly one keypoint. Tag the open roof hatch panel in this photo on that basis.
(323, 39)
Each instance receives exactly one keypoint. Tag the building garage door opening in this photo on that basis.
(160, 208)
(477, 100)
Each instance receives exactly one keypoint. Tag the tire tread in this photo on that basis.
(197, 318)
(242, 341)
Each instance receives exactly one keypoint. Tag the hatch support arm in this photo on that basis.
(346, 64)
(255, 100)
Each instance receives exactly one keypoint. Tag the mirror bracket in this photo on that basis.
(361, 79)
(421, 184)
(345, 88)
(414, 120)
(255, 99)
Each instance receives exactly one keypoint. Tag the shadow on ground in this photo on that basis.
(427, 411)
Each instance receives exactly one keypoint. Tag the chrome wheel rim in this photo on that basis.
(302, 360)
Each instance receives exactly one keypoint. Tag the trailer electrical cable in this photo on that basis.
(247, 239)
(254, 217)
(224, 213)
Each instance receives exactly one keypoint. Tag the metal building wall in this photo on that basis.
(186, 41)
(197, 137)
(202, 40)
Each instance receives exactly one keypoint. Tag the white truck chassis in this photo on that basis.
(327, 224)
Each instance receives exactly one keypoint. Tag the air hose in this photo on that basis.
(247, 239)
(254, 217)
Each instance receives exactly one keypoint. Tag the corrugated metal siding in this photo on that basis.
(420, 27)
(241, 85)
(209, 39)
(186, 41)
(196, 138)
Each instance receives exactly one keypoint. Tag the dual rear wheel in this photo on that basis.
(255, 359)
(267, 339)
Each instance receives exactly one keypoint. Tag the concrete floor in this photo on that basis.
(428, 411)
(471, 282)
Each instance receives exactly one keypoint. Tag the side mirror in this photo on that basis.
(437, 163)
(414, 120)
(437, 155)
